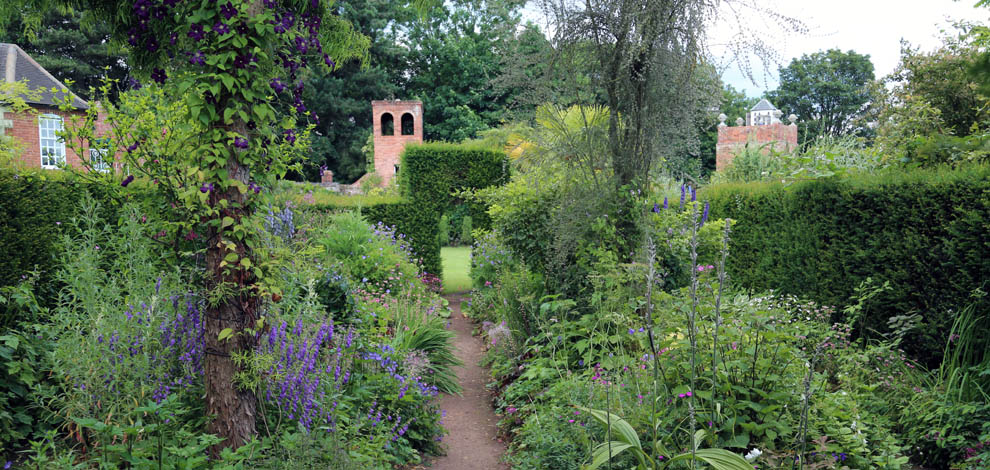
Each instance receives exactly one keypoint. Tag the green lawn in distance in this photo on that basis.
(456, 265)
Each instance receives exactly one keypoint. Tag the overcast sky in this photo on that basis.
(873, 27)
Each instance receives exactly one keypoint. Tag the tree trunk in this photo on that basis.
(233, 409)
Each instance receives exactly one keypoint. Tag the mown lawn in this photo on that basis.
(456, 264)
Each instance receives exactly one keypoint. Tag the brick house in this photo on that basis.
(762, 126)
(36, 133)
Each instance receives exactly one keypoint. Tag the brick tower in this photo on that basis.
(763, 126)
(395, 123)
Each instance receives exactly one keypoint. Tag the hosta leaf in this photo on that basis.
(601, 454)
(624, 430)
(719, 459)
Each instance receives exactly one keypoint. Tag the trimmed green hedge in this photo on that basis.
(34, 209)
(927, 232)
(429, 175)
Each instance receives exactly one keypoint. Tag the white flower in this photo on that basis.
(753, 454)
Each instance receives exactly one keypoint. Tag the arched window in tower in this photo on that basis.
(407, 124)
(388, 124)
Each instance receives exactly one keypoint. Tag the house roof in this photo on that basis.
(764, 105)
(16, 65)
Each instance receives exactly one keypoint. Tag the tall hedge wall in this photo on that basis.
(926, 232)
(33, 209)
(429, 175)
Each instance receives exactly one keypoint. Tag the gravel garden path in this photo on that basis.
(471, 443)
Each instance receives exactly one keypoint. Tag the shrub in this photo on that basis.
(430, 175)
(466, 237)
(924, 232)
(37, 207)
(443, 231)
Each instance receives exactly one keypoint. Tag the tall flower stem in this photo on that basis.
(722, 277)
(651, 252)
(692, 332)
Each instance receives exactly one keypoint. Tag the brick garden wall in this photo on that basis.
(731, 139)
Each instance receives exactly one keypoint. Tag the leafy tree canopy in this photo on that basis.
(343, 98)
(70, 50)
(827, 90)
(454, 58)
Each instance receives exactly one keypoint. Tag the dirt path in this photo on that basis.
(471, 443)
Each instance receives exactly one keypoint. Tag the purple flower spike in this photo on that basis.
(656, 208)
(127, 180)
(694, 194)
(682, 195)
(665, 204)
(704, 215)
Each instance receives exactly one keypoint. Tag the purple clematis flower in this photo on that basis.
(196, 32)
(159, 75)
(228, 11)
(221, 28)
(197, 58)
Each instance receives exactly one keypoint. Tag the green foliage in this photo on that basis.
(73, 52)
(921, 231)
(826, 90)
(348, 243)
(938, 149)
(431, 175)
(466, 237)
(824, 157)
(23, 360)
(443, 231)
(942, 79)
(342, 98)
(38, 208)
(752, 163)
(453, 57)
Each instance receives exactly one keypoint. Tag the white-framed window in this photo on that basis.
(98, 151)
(52, 146)
(98, 158)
